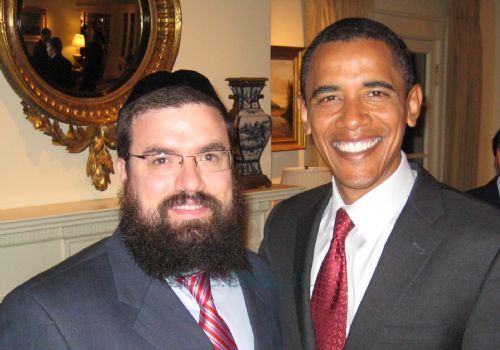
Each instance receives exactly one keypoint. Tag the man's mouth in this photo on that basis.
(187, 207)
(356, 147)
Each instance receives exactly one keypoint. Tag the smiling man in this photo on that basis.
(175, 274)
(384, 257)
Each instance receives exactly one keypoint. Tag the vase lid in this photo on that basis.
(246, 81)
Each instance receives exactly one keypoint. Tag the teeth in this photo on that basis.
(355, 147)
(188, 207)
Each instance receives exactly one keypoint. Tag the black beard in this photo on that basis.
(162, 248)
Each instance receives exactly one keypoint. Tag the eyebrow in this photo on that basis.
(378, 83)
(323, 89)
(333, 88)
(214, 146)
(158, 149)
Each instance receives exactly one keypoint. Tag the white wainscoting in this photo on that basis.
(34, 239)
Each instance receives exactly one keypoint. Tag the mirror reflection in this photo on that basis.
(84, 48)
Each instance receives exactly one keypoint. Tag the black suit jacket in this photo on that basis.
(59, 72)
(436, 285)
(488, 193)
(100, 299)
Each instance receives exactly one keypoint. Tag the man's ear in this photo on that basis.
(414, 104)
(121, 169)
(303, 115)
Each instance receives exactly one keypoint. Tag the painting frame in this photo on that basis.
(288, 133)
(33, 20)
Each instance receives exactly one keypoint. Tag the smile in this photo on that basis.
(188, 207)
(356, 147)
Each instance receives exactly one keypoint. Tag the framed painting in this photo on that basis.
(32, 21)
(287, 131)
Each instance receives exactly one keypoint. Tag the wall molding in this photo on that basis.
(31, 245)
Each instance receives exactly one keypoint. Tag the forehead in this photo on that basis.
(359, 59)
(189, 126)
(344, 51)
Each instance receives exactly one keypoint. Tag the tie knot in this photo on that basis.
(343, 225)
(198, 285)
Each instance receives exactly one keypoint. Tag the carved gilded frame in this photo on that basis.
(90, 120)
(288, 57)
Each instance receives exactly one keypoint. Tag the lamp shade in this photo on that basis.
(78, 40)
(307, 177)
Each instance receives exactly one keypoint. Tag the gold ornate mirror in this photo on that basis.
(106, 45)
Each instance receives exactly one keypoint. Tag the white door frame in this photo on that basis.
(427, 35)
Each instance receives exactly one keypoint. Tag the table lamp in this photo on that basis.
(306, 176)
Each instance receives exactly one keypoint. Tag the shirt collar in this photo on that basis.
(374, 210)
(230, 280)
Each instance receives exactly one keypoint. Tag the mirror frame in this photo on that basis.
(91, 120)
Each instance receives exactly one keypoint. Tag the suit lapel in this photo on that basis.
(406, 252)
(164, 321)
(256, 308)
(161, 317)
(307, 231)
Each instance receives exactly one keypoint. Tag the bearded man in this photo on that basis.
(175, 274)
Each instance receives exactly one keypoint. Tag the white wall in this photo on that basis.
(220, 38)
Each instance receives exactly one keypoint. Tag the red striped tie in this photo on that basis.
(210, 321)
(329, 297)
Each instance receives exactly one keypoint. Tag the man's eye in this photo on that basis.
(329, 98)
(376, 93)
(162, 159)
(210, 157)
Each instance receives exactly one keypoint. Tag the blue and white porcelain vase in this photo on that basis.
(253, 129)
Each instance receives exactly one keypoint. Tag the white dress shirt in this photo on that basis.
(230, 304)
(374, 216)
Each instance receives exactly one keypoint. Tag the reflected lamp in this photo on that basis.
(79, 43)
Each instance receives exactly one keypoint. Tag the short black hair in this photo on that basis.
(495, 143)
(162, 90)
(349, 29)
(45, 32)
(56, 44)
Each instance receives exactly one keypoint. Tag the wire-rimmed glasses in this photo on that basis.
(171, 163)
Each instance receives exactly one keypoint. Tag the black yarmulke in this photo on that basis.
(162, 79)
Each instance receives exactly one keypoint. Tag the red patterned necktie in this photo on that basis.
(210, 321)
(329, 298)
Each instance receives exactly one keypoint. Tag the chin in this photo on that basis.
(178, 220)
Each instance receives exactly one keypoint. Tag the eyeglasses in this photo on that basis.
(169, 163)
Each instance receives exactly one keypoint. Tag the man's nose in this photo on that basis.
(353, 114)
(189, 177)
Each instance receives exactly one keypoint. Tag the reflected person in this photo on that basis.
(93, 66)
(174, 274)
(40, 57)
(59, 69)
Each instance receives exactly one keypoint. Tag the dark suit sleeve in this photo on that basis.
(25, 325)
(264, 313)
(483, 327)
